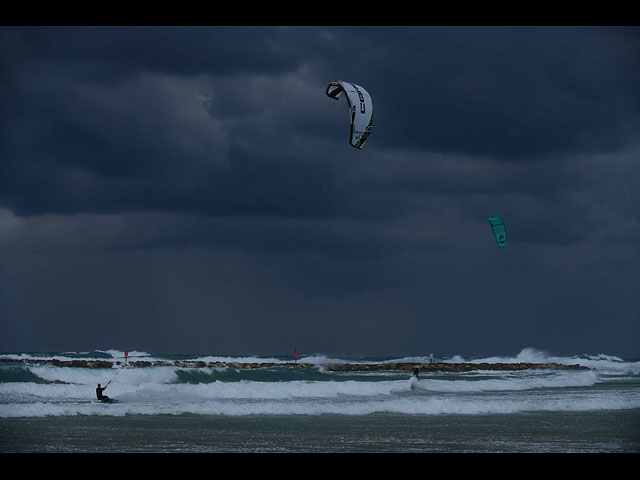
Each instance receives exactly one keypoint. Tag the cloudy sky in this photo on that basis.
(193, 190)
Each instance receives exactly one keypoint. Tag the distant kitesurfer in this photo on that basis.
(416, 372)
(101, 397)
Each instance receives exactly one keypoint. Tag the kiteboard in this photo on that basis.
(105, 400)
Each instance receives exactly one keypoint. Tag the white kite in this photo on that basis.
(360, 109)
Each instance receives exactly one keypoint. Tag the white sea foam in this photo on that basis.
(93, 376)
(48, 390)
(602, 362)
(511, 383)
(175, 403)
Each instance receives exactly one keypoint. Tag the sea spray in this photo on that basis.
(276, 407)
(45, 390)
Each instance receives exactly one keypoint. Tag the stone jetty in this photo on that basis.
(450, 367)
(335, 367)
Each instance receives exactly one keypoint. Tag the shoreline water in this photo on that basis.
(529, 402)
(536, 432)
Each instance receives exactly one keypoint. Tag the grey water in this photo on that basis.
(53, 409)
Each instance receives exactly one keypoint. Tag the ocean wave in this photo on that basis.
(526, 355)
(512, 383)
(49, 390)
(434, 405)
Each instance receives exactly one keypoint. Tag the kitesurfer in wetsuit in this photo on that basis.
(416, 372)
(101, 397)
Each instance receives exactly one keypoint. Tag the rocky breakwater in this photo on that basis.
(60, 363)
(450, 367)
(147, 363)
(337, 367)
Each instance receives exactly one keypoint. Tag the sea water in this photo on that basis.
(276, 408)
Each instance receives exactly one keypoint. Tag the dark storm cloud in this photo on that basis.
(503, 93)
(107, 54)
(153, 178)
(148, 141)
(511, 93)
(108, 120)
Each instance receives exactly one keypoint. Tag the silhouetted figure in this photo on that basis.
(101, 397)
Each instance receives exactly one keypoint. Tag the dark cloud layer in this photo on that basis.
(192, 188)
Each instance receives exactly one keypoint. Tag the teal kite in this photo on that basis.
(497, 225)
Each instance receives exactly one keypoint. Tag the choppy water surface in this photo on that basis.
(48, 408)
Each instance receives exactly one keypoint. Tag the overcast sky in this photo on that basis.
(193, 190)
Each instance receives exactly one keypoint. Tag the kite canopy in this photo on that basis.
(497, 225)
(360, 109)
